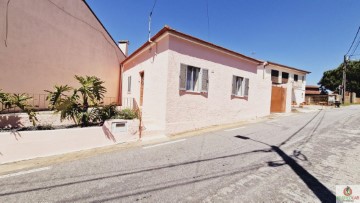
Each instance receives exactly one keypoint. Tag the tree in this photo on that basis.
(332, 79)
(75, 106)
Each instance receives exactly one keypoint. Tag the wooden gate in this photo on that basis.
(278, 100)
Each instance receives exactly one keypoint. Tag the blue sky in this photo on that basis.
(308, 34)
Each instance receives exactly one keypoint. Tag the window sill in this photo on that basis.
(240, 97)
(183, 92)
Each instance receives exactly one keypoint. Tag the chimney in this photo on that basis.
(123, 45)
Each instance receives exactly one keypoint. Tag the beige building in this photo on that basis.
(44, 43)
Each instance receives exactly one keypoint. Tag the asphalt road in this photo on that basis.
(297, 158)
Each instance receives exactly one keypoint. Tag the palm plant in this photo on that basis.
(56, 97)
(91, 91)
(5, 99)
(20, 101)
(76, 106)
(69, 108)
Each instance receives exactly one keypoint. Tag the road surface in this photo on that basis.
(297, 158)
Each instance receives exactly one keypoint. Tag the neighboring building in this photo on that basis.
(287, 81)
(184, 83)
(313, 95)
(44, 43)
(312, 90)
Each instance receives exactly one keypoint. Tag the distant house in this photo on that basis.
(183, 83)
(44, 43)
(287, 81)
(312, 90)
(313, 95)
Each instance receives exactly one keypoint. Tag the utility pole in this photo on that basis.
(344, 80)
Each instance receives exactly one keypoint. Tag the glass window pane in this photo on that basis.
(189, 78)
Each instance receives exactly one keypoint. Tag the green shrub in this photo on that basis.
(128, 114)
(76, 106)
(106, 112)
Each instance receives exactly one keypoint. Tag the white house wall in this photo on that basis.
(188, 111)
(154, 63)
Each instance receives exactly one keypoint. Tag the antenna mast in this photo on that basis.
(151, 12)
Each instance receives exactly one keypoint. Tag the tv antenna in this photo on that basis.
(151, 12)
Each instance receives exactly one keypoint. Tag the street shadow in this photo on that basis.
(320, 190)
(300, 129)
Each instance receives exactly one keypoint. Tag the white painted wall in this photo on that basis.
(187, 111)
(154, 62)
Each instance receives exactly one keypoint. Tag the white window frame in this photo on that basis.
(188, 82)
(240, 86)
(190, 86)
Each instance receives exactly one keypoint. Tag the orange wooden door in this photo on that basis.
(278, 100)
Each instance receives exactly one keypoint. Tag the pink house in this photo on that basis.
(183, 83)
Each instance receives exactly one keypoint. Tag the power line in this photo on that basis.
(357, 45)
(353, 41)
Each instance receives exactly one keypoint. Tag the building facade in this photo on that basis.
(183, 83)
(44, 43)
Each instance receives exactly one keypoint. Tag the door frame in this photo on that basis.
(142, 75)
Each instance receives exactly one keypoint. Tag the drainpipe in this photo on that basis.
(120, 85)
(264, 64)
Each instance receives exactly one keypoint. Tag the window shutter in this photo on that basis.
(205, 80)
(233, 91)
(246, 93)
(182, 77)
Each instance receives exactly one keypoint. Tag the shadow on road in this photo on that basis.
(322, 192)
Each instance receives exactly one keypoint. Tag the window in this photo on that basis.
(129, 84)
(274, 73)
(275, 76)
(240, 86)
(284, 77)
(296, 78)
(193, 79)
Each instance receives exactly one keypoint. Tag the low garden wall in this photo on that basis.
(22, 145)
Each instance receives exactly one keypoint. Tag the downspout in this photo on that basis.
(264, 65)
(120, 85)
